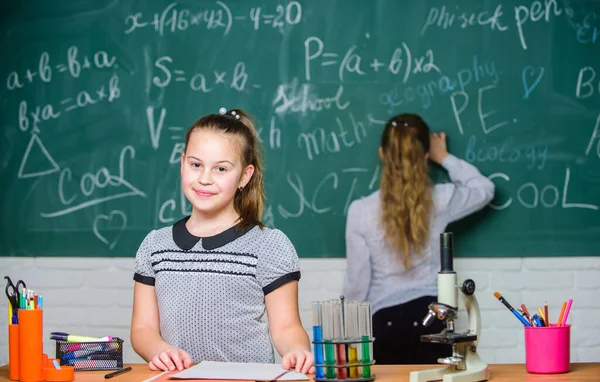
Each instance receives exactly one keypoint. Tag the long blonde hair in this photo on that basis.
(406, 201)
(248, 201)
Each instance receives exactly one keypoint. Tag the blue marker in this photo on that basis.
(537, 320)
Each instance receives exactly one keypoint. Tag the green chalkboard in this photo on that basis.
(96, 96)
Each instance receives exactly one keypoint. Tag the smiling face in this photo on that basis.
(212, 170)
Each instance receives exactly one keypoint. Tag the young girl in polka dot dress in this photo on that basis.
(203, 285)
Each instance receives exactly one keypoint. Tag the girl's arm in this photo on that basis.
(469, 191)
(287, 332)
(145, 330)
(145, 333)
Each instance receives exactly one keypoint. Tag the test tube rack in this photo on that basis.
(342, 370)
(342, 341)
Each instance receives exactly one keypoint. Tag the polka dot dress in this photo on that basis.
(211, 291)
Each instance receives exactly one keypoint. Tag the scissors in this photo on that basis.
(13, 292)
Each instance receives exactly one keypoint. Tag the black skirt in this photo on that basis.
(397, 331)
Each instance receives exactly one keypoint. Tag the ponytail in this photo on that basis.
(406, 201)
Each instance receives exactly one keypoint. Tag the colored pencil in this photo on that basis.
(562, 313)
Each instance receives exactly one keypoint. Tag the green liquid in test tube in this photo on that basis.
(365, 330)
(327, 312)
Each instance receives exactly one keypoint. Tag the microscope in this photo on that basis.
(464, 365)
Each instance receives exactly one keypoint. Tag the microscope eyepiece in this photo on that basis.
(446, 252)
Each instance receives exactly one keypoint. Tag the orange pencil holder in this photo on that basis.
(31, 346)
(13, 352)
(27, 361)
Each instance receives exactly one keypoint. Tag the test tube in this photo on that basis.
(365, 332)
(338, 335)
(351, 320)
(327, 313)
(317, 319)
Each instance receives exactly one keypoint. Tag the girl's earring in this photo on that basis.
(240, 189)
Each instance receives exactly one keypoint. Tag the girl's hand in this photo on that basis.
(171, 359)
(301, 360)
(437, 147)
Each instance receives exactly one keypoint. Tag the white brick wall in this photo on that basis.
(93, 296)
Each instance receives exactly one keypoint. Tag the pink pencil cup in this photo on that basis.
(548, 350)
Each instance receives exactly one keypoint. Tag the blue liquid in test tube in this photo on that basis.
(318, 336)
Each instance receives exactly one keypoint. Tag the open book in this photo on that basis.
(239, 371)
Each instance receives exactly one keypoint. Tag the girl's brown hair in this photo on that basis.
(249, 201)
(406, 201)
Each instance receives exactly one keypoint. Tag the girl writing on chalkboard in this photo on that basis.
(392, 237)
(204, 284)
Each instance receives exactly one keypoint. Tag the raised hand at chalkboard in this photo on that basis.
(438, 151)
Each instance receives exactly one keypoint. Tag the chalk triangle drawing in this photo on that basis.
(52, 166)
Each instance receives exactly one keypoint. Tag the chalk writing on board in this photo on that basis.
(317, 91)
(533, 195)
(402, 62)
(34, 116)
(319, 141)
(267, 217)
(90, 182)
(402, 95)
(531, 77)
(166, 212)
(74, 65)
(535, 13)
(588, 31)
(446, 17)
(156, 126)
(49, 165)
(116, 220)
(586, 83)
(534, 156)
(330, 182)
(274, 135)
(173, 19)
(488, 113)
(595, 136)
(199, 81)
(294, 97)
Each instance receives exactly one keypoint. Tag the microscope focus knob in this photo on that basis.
(468, 287)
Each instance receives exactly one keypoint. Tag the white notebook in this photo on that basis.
(233, 370)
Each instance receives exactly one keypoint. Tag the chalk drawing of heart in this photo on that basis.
(529, 72)
(115, 221)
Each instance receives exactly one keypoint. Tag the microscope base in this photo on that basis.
(473, 369)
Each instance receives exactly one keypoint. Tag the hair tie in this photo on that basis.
(404, 123)
(230, 113)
